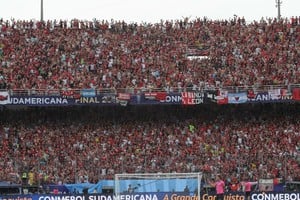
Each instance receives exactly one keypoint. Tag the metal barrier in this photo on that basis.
(61, 92)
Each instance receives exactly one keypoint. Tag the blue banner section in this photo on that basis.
(92, 188)
(139, 185)
(235, 98)
(88, 93)
(162, 185)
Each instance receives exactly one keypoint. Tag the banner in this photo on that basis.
(158, 196)
(296, 94)
(149, 98)
(88, 92)
(89, 100)
(270, 96)
(88, 97)
(222, 97)
(158, 96)
(265, 185)
(40, 100)
(210, 96)
(71, 94)
(102, 99)
(192, 98)
(124, 96)
(236, 98)
(4, 98)
(274, 94)
(108, 99)
(251, 94)
(275, 196)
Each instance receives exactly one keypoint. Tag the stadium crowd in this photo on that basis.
(87, 144)
(170, 54)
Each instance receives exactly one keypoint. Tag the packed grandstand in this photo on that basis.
(115, 55)
(76, 144)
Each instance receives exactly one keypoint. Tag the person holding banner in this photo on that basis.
(219, 185)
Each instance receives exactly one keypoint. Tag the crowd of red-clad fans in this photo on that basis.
(170, 54)
(88, 144)
(75, 145)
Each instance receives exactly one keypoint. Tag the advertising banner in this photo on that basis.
(102, 99)
(123, 98)
(89, 97)
(40, 101)
(158, 96)
(89, 100)
(266, 185)
(192, 98)
(150, 98)
(162, 98)
(269, 96)
(210, 96)
(158, 196)
(275, 196)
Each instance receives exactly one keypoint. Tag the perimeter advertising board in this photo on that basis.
(192, 98)
(158, 196)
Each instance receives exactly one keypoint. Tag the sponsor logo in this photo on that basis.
(275, 196)
(38, 100)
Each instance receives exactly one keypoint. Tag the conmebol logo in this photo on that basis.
(275, 196)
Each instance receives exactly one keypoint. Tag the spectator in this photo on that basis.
(219, 184)
(186, 189)
(130, 189)
(247, 188)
